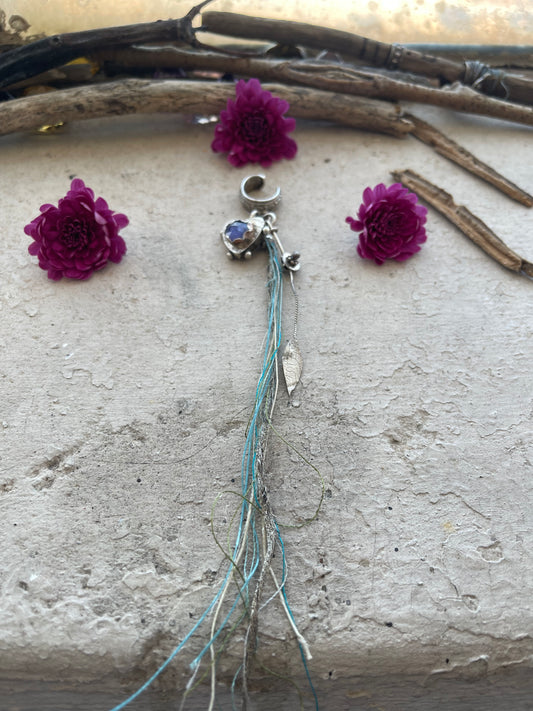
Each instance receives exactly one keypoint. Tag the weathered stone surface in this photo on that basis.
(125, 400)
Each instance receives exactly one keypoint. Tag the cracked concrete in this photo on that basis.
(125, 400)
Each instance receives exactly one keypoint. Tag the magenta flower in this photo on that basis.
(390, 222)
(253, 129)
(78, 237)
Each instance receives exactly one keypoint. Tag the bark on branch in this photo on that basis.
(513, 86)
(474, 228)
(34, 58)
(132, 96)
(443, 145)
(337, 78)
(129, 96)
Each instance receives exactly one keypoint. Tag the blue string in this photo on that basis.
(284, 593)
(258, 421)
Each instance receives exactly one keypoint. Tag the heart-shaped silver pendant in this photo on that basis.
(242, 237)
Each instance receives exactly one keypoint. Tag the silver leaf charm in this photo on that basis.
(293, 364)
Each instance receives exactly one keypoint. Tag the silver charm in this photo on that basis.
(291, 360)
(293, 364)
(262, 205)
(242, 237)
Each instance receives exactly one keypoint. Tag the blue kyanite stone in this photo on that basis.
(236, 230)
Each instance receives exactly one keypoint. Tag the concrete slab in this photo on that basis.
(125, 401)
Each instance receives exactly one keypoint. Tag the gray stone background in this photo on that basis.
(125, 401)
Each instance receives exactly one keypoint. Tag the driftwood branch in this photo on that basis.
(453, 151)
(514, 87)
(133, 96)
(474, 228)
(144, 96)
(337, 78)
(34, 58)
(317, 89)
(60, 77)
(497, 55)
(44, 54)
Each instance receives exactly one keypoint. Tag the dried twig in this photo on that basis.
(34, 58)
(63, 76)
(338, 78)
(131, 96)
(30, 59)
(144, 96)
(474, 228)
(497, 55)
(456, 153)
(514, 87)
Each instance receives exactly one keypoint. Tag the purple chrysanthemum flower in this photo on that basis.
(78, 237)
(390, 222)
(253, 129)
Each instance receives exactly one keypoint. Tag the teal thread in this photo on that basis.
(251, 498)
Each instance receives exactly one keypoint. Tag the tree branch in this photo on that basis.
(514, 87)
(453, 151)
(470, 225)
(338, 78)
(132, 96)
(497, 55)
(34, 58)
(187, 96)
